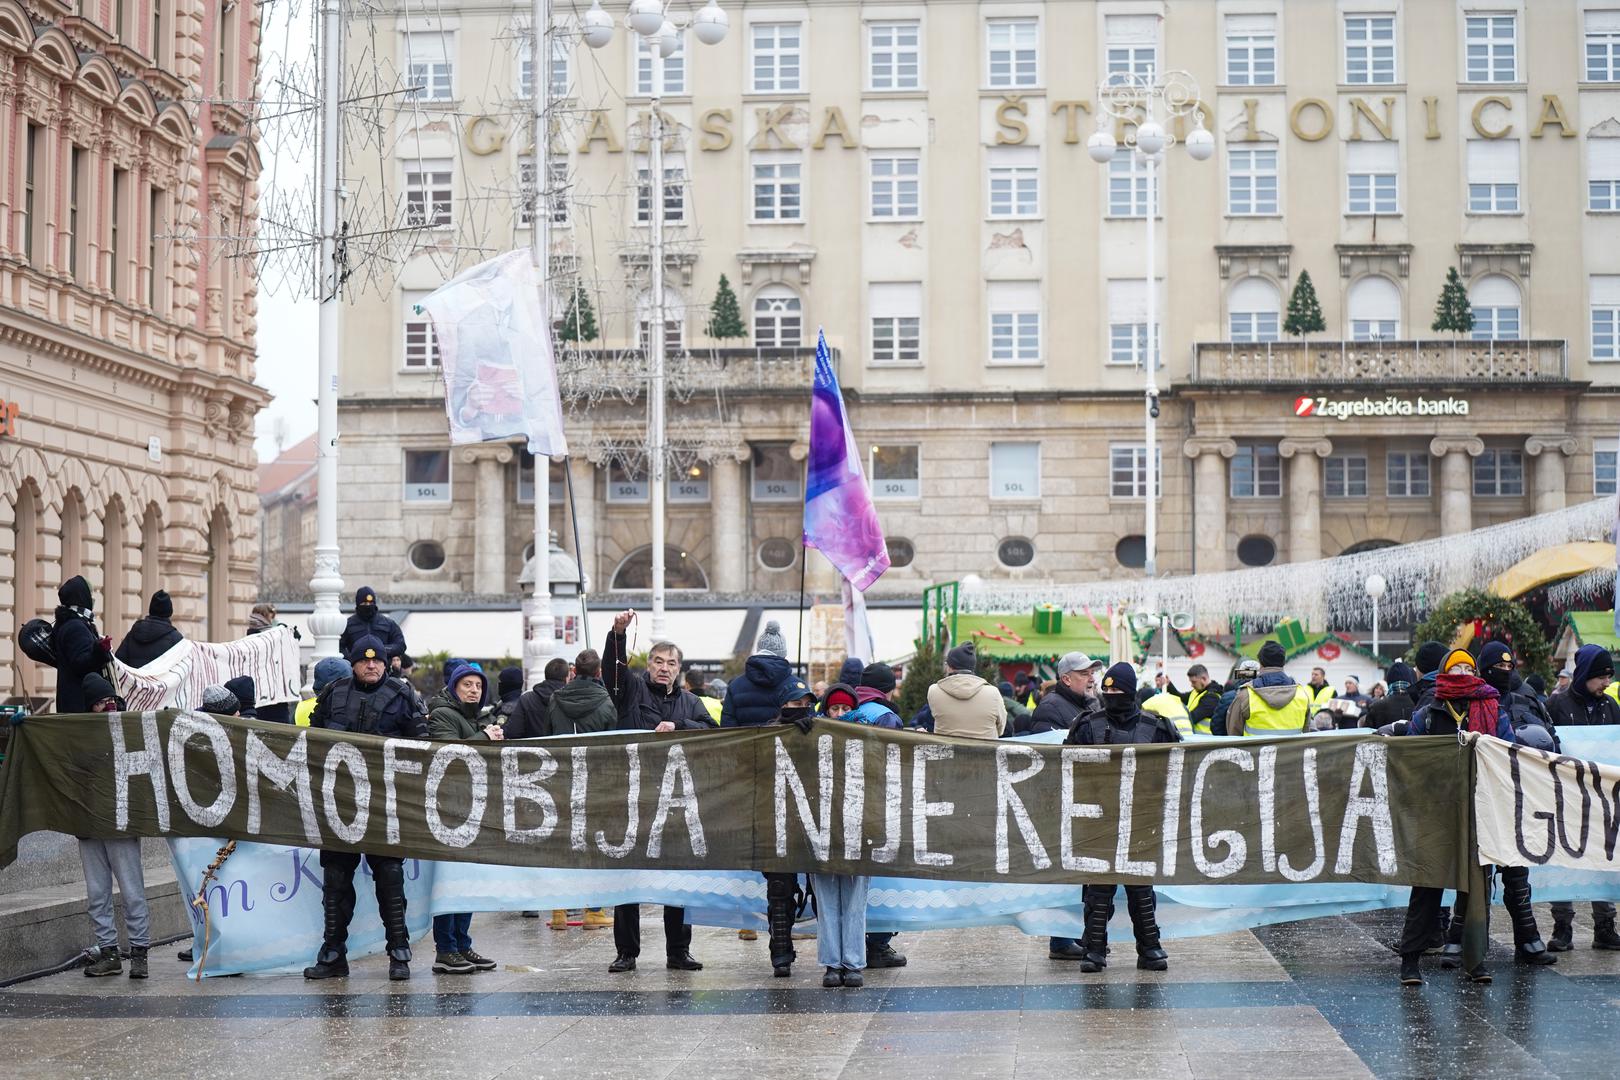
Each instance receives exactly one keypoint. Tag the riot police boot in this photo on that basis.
(1527, 944)
(779, 914)
(1603, 935)
(337, 908)
(1563, 936)
(329, 963)
(389, 875)
(399, 964)
(1094, 942)
(1150, 955)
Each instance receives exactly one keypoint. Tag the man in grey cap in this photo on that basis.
(1071, 699)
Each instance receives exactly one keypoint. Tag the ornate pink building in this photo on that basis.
(126, 315)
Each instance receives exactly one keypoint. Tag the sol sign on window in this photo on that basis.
(1329, 408)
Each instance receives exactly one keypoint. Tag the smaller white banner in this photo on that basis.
(1533, 808)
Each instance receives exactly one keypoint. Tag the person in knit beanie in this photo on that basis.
(772, 641)
(752, 700)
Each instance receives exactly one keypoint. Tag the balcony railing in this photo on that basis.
(1380, 362)
(586, 372)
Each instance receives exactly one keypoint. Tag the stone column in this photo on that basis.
(1304, 495)
(1551, 481)
(1210, 455)
(728, 565)
(584, 478)
(1456, 454)
(489, 515)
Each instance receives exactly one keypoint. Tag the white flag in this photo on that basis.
(500, 377)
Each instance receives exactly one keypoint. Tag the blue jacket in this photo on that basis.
(751, 701)
(386, 630)
(875, 713)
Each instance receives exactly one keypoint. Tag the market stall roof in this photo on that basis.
(1552, 564)
(1579, 628)
(1014, 637)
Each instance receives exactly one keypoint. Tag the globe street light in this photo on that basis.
(646, 17)
(1376, 586)
(1134, 104)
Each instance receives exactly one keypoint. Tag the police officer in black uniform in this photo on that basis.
(1121, 721)
(372, 703)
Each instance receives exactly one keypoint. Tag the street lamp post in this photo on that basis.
(1376, 587)
(1142, 100)
(646, 17)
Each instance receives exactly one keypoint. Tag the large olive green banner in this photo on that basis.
(842, 799)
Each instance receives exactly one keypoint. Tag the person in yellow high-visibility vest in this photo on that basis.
(325, 673)
(1613, 692)
(1169, 706)
(1321, 690)
(1273, 704)
(1201, 699)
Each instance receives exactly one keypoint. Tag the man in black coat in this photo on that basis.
(152, 635)
(1584, 702)
(1071, 699)
(370, 702)
(368, 620)
(79, 649)
(1394, 710)
(528, 719)
(654, 701)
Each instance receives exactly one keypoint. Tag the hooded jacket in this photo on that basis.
(580, 707)
(532, 717)
(1574, 705)
(644, 704)
(875, 709)
(966, 705)
(751, 700)
(451, 718)
(1276, 688)
(1057, 711)
(380, 626)
(147, 640)
(78, 647)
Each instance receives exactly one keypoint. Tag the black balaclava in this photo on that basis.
(1119, 706)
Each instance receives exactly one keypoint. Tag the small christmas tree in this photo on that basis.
(579, 321)
(1452, 311)
(1304, 311)
(725, 319)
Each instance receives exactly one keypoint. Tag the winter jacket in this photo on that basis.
(965, 704)
(643, 704)
(1436, 718)
(1393, 708)
(581, 706)
(1276, 688)
(1200, 704)
(387, 708)
(77, 645)
(452, 719)
(147, 640)
(874, 709)
(1223, 707)
(1058, 711)
(532, 717)
(1097, 728)
(1575, 706)
(380, 626)
(751, 700)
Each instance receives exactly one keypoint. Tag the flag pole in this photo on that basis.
(579, 556)
(804, 559)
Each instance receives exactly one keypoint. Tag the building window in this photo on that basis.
(428, 192)
(674, 189)
(778, 189)
(1015, 470)
(1603, 46)
(625, 486)
(896, 312)
(776, 58)
(426, 555)
(1344, 476)
(427, 476)
(1127, 471)
(421, 344)
(429, 68)
(1015, 182)
(1014, 552)
(688, 485)
(1603, 174)
(1375, 309)
(1133, 47)
(1491, 43)
(225, 49)
(1605, 302)
(1255, 312)
(681, 571)
(1127, 184)
(527, 196)
(560, 64)
(674, 321)
(674, 67)
(76, 185)
(776, 477)
(895, 472)
(116, 214)
(902, 552)
(1605, 469)
(154, 227)
(1015, 322)
(157, 48)
(1256, 472)
(1369, 49)
(1373, 178)
(1131, 552)
(1493, 176)
(893, 57)
(1406, 474)
(1495, 300)
(1011, 57)
(1257, 551)
(778, 319)
(1251, 182)
(1128, 323)
(558, 486)
(779, 553)
(1251, 50)
(31, 156)
(557, 191)
(895, 187)
(1499, 473)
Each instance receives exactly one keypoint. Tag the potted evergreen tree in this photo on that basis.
(1453, 312)
(725, 317)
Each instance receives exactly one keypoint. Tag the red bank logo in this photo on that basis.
(1304, 406)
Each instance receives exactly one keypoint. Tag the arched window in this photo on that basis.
(681, 571)
(151, 548)
(25, 563)
(219, 577)
(1375, 309)
(778, 318)
(72, 534)
(1255, 311)
(1496, 301)
(113, 579)
(674, 319)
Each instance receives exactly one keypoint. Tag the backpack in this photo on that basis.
(34, 639)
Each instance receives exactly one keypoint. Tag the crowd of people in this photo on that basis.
(368, 690)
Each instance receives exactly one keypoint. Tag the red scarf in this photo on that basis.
(1484, 705)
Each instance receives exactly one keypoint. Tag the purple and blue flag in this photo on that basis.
(839, 519)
